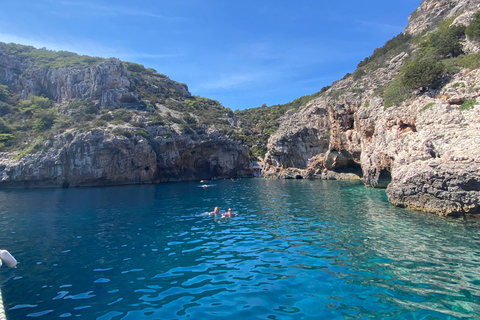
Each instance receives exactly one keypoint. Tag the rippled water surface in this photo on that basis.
(297, 250)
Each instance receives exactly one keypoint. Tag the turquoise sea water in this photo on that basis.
(298, 249)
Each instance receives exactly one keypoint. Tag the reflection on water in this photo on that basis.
(299, 249)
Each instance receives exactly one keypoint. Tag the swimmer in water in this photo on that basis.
(229, 213)
(214, 212)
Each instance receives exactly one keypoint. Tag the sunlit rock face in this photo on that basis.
(107, 84)
(431, 11)
(101, 158)
(424, 151)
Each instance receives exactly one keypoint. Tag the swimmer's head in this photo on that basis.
(229, 209)
(216, 210)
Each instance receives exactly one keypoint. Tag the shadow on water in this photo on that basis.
(298, 249)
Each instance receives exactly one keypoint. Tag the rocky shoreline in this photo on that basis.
(99, 158)
(424, 151)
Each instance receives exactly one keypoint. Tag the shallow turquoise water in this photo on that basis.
(299, 249)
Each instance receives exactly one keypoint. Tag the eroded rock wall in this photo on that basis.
(107, 84)
(301, 136)
(430, 12)
(102, 158)
(106, 155)
(425, 151)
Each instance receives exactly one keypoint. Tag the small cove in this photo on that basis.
(299, 249)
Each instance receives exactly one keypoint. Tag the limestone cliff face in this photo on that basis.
(437, 167)
(107, 84)
(92, 158)
(302, 136)
(432, 11)
(102, 158)
(424, 151)
(348, 127)
(183, 158)
(114, 153)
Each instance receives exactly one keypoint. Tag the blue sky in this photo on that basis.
(242, 53)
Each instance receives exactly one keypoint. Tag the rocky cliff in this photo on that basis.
(106, 82)
(99, 157)
(405, 120)
(75, 121)
(423, 147)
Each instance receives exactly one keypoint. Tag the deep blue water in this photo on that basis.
(298, 249)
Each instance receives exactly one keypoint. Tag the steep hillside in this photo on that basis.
(254, 126)
(70, 120)
(406, 119)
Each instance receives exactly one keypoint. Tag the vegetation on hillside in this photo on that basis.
(473, 29)
(197, 112)
(43, 58)
(438, 56)
(31, 125)
(392, 47)
(256, 125)
(27, 125)
(433, 58)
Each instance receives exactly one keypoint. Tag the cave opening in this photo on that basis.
(384, 178)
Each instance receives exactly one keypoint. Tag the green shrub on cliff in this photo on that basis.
(4, 92)
(449, 44)
(134, 67)
(6, 136)
(468, 104)
(392, 47)
(439, 54)
(4, 127)
(5, 108)
(158, 120)
(44, 119)
(428, 106)
(34, 104)
(473, 29)
(395, 93)
(122, 115)
(140, 68)
(106, 117)
(421, 74)
(258, 152)
(416, 74)
(88, 107)
(5, 139)
(471, 61)
(40, 112)
(443, 43)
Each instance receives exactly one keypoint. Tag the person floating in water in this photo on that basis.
(229, 213)
(214, 212)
